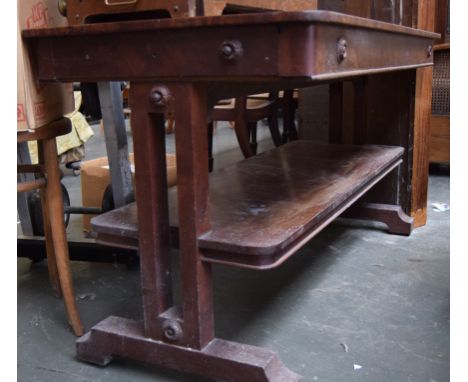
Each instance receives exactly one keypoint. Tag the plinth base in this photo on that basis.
(220, 360)
(393, 216)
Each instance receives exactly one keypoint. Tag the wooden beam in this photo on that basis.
(422, 115)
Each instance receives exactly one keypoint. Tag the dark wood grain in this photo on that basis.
(151, 180)
(335, 112)
(390, 120)
(190, 114)
(254, 214)
(306, 17)
(220, 360)
(80, 12)
(422, 116)
(393, 216)
(273, 45)
(266, 206)
(440, 139)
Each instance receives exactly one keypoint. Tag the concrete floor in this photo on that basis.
(355, 304)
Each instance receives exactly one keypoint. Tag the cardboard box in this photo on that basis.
(95, 178)
(38, 104)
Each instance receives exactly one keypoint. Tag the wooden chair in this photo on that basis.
(245, 112)
(52, 210)
(288, 102)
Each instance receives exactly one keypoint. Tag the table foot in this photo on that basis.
(220, 359)
(392, 215)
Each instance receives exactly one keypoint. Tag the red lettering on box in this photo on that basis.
(39, 17)
(39, 110)
(20, 114)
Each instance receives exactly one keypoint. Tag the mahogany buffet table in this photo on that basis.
(254, 214)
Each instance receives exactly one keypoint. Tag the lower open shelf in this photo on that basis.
(266, 207)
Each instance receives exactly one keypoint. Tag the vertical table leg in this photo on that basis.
(153, 216)
(183, 342)
(190, 113)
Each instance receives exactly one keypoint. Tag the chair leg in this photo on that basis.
(57, 225)
(243, 137)
(274, 130)
(51, 260)
(253, 136)
(289, 109)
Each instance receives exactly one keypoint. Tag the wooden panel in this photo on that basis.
(390, 117)
(313, 118)
(268, 44)
(442, 15)
(80, 12)
(360, 8)
(364, 53)
(264, 208)
(277, 197)
(93, 57)
(215, 7)
(332, 5)
(439, 151)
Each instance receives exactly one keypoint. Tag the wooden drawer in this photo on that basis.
(216, 7)
(81, 12)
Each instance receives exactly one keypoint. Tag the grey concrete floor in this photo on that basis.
(355, 304)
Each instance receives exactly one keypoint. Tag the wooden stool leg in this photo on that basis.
(54, 204)
(51, 260)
